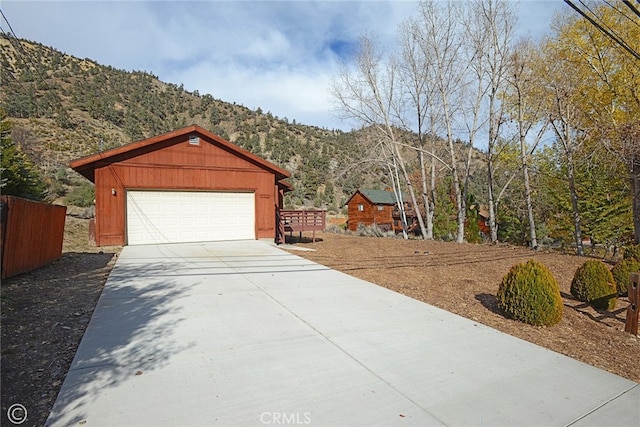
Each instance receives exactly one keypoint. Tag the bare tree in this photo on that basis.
(440, 40)
(413, 69)
(371, 95)
(489, 27)
(524, 101)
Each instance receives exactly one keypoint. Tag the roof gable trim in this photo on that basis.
(87, 165)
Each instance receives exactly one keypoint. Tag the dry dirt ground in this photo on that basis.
(45, 312)
(44, 315)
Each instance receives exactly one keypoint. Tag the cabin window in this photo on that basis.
(361, 207)
(380, 207)
(194, 140)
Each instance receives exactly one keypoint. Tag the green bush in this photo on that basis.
(632, 252)
(82, 196)
(622, 274)
(529, 293)
(594, 283)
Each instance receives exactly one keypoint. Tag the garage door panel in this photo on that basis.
(175, 217)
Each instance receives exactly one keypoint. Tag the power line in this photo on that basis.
(632, 7)
(611, 34)
(623, 13)
(17, 44)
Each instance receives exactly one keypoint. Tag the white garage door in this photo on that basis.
(179, 216)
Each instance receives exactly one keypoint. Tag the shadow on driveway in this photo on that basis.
(129, 335)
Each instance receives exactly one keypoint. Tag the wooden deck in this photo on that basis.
(290, 221)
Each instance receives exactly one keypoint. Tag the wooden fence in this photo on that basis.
(32, 234)
(300, 221)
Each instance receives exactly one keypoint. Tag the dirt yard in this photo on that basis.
(44, 315)
(45, 312)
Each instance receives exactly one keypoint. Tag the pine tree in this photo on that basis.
(19, 176)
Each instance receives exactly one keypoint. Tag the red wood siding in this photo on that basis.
(181, 166)
(32, 234)
(370, 213)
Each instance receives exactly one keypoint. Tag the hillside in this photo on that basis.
(63, 108)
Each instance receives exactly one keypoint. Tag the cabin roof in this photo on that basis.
(378, 197)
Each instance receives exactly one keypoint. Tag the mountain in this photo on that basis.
(63, 108)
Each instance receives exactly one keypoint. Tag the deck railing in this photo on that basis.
(292, 220)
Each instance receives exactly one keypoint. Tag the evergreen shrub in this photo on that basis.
(529, 293)
(594, 283)
(622, 274)
(82, 196)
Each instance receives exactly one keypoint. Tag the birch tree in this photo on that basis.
(490, 28)
(371, 95)
(414, 67)
(524, 102)
(440, 40)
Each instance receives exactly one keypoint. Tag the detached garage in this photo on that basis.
(184, 186)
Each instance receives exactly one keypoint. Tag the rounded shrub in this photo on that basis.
(594, 283)
(529, 293)
(632, 252)
(622, 274)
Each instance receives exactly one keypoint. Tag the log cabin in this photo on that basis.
(379, 207)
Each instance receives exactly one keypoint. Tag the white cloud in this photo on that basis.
(276, 55)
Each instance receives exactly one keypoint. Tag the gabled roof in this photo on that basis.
(87, 165)
(378, 197)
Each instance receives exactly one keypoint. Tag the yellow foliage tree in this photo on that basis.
(609, 84)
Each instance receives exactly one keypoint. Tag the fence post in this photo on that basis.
(631, 325)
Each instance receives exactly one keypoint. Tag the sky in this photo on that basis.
(279, 56)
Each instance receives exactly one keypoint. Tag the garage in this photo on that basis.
(188, 185)
(182, 216)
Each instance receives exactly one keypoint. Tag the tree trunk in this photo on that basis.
(395, 180)
(635, 191)
(493, 229)
(405, 175)
(527, 195)
(525, 173)
(427, 232)
(574, 204)
(461, 217)
(433, 193)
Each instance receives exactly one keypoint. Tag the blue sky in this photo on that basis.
(279, 56)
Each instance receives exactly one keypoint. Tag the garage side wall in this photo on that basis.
(180, 167)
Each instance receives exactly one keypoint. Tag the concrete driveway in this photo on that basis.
(243, 333)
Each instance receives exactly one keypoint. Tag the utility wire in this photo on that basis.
(17, 44)
(632, 7)
(623, 13)
(608, 33)
(611, 30)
